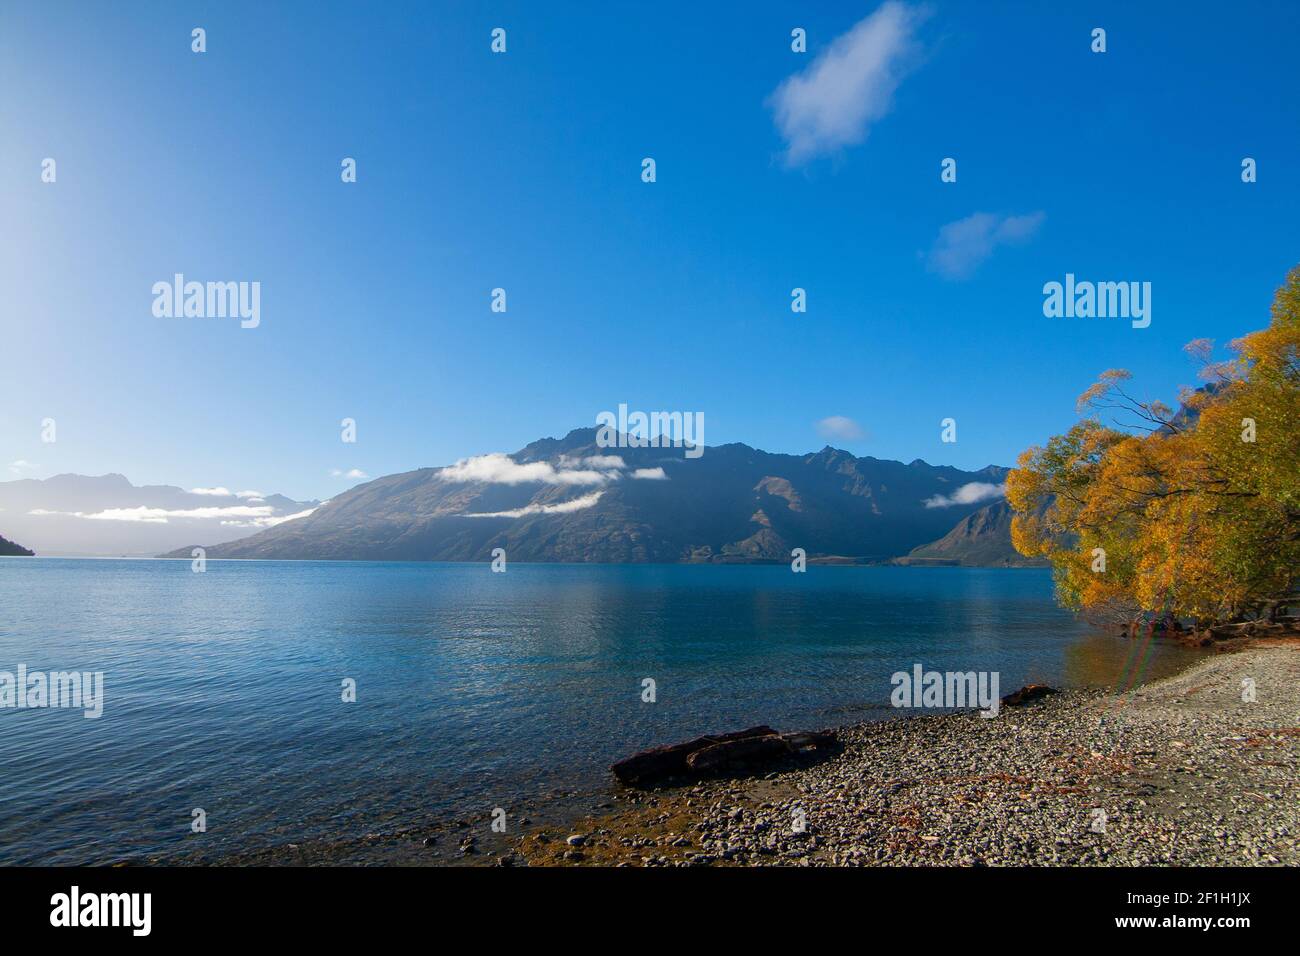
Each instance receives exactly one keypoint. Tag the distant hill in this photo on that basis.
(106, 515)
(570, 500)
(10, 549)
(981, 539)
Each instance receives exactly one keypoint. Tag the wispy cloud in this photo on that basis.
(595, 461)
(500, 469)
(833, 102)
(962, 246)
(839, 428)
(351, 473)
(564, 507)
(269, 522)
(21, 465)
(968, 494)
(144, 513)
(219, 491)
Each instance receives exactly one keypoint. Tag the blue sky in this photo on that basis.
(522, 171)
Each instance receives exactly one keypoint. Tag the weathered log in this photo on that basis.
(718, 753)
(811, 740)
(1026, 694)
(729, 755)
(661, 763)
(747, 752)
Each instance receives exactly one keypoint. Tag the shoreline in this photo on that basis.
(1184, 771)
(935, 789)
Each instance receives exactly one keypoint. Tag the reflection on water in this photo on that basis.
(473, 689)
(1119, 664)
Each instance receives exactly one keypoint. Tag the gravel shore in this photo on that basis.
(1181, 772)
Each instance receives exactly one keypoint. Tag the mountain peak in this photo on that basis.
(981, 538)
(111, 479)
(542, 448)
(830, 455)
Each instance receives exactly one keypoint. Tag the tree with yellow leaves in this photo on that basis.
(1170, 516)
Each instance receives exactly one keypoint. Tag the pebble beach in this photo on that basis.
(1179, 772)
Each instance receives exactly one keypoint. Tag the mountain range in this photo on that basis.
(107, 515)
(573, 500)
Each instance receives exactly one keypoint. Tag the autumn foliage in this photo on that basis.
(1190, 515)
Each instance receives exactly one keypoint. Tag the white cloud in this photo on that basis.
(352, 473)
(297, 514)
(841, 428)
(269, 522)
(564, 507)
(962, 246)
(148, 515)
(220, 491)
(833, 102)
(21, 465)
(500, 469)
(968, 494)
(604, 461)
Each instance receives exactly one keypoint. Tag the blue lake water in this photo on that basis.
(222, 690)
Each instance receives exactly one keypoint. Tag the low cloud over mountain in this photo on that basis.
(570, 500)
(107, 515)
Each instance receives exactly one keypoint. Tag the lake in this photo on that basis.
(223, 690)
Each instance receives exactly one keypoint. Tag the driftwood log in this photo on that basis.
(1027, 694)
(742, 750)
